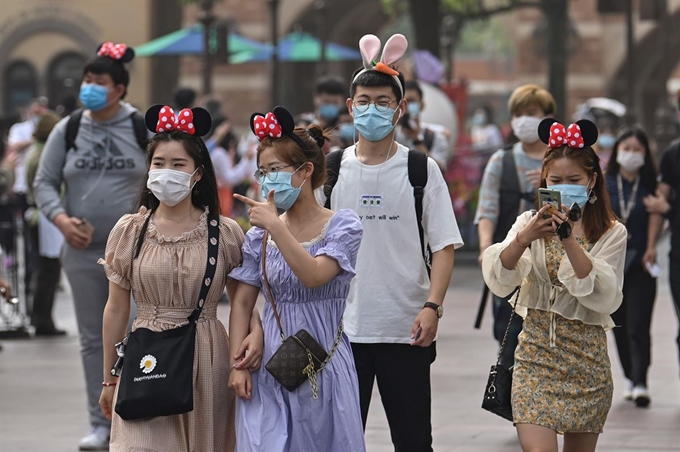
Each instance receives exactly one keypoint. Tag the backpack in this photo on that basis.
(138, 125)
(511, 196)
(417, 176)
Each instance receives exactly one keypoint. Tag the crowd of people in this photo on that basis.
(350, 238)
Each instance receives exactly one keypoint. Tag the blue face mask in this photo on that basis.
(572, 194)
(346, 131)
(93, 97)
(606, 141)
(285, 194)
(414, 109)
(329, 112)
(372, 124)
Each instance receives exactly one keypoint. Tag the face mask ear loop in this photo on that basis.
(192, 175)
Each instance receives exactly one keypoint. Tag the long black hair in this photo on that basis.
(648, 171)
(205, 192)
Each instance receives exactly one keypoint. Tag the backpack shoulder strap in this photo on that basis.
(428, 136)
(139, 127)
(509, 179)
(417, 176)
(72, 127)
(333, 160)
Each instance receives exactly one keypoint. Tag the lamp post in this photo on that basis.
(447, 45)
(631, 108)
(320, 6)
(207, 18)
(274, 17)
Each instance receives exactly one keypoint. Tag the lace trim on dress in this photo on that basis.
(199, 232)
(314, 241)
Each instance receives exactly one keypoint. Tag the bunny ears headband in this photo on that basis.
(395, 48)
(579, 135)
(117, 52)
(162, 119)
(276, 124)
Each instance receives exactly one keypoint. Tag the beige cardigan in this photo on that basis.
(591, 300)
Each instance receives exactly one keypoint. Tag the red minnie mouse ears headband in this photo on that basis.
(276, 124)
(118, 52)
(162, 119)
(579, 135)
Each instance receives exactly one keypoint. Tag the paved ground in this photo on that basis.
(42, 400)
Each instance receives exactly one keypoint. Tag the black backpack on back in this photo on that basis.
(417, 176)
(73, 125)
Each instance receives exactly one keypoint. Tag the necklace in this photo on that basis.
(174, 220)
(627, 207)
(303, 226)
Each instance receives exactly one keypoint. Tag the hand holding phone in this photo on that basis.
(551, 197)
(653, 269)
(87, 227)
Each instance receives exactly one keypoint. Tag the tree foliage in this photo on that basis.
(465, 9)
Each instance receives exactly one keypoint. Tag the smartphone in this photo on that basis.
(87, 227)
(418, 332)
(552, 197)
(653, 269)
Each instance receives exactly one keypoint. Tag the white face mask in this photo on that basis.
(630, 161)
(170, 186)
(525, 128)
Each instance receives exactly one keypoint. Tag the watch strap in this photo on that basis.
(434, 306)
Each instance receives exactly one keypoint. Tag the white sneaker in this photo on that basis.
(96, 439)
(641, 396)
(628, 393)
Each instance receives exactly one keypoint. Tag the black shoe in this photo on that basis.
(49, 332)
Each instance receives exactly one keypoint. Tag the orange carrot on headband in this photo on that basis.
(385, 69)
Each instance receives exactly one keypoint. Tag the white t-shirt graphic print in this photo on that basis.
(391, 285)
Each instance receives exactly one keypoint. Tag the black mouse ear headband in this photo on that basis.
(579, 135)
(117, 52)
(276, 124)
(162, 119)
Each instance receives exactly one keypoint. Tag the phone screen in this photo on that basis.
(552, 197)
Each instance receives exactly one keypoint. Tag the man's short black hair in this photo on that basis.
(330, 84)
(101, 65)
(184, 97)
(415, 86)
(376, 79)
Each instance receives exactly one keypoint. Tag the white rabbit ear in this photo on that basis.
(395, 48)
(369, 46)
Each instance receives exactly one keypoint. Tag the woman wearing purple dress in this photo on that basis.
(310, 258)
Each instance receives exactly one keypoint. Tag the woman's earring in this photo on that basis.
(196, 191)
(592, 197)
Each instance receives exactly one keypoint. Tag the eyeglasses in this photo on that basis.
(261, 173)
(380, 105)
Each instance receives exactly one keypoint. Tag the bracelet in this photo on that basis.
(105, 384)
(520, 243)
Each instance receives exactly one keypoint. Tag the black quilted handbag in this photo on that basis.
(300, 356)
(497, 395)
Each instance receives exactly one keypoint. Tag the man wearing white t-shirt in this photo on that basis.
(393, 308)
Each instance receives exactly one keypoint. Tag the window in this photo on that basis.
(21, 85)
(64, 76)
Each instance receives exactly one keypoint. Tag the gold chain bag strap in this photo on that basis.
(300, 357)
(497, 395)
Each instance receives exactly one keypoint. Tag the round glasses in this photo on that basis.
(381, 105)
(261, 173)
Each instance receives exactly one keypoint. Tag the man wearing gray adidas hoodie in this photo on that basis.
(90, 175)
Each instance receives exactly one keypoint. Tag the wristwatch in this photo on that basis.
(438, 308)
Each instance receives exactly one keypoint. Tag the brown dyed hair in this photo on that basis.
(290, 152)
(597, 217)
(531, 95)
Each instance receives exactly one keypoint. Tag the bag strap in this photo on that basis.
(72, 127)
(263, 259)
(507, 328)
(417, 176)
(333, 161)
(210, 265)
(139, 127)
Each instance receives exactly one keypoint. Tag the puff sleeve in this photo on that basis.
(120, 249)
(231, 243)
(249, 272)
(342, 242)
(503, 281)
(601, 289)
